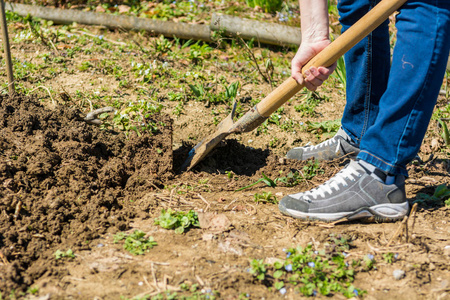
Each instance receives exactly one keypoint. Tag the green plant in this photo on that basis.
(445, 132)
(258, 269)
(137, 117)
(291, 179)
(232, 90)
(60, 254)
(85, 65)
(162, 44)
(389, 257)
(309, 272)
(178, 220)
(369, 261)
(198, 90)
(440, 196)
(340, 73)
(325, 127)
(312, 169)
(265, 197)
(198, 52)
(135, 243)
(32, 290)
(308, 103)
(269, 6)
(264, 179)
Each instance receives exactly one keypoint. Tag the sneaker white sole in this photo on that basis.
(381, 212)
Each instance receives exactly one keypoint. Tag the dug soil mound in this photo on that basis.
(63, 182)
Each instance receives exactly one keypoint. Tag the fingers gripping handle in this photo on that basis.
(331, 53)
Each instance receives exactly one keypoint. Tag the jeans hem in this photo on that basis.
(381, 164)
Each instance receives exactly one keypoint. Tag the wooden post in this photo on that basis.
(9, 69)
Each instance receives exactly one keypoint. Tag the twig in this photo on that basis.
(155, 282)
(147, 283)
(48, 91)
(412, 216)
(255, 61)
(106, 39)
(228, 205)
(2, 256)
(397, 232)
(254, 208)
(18, 208)
(386, 250)
(202, 283)
(204, 200)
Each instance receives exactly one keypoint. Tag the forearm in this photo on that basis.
(314, 20)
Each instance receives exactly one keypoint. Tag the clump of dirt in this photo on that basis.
(64, 182)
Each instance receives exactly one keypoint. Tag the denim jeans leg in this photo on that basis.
(418, 67)
(367, 67)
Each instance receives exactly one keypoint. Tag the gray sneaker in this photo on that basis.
(353, 193)
(338, 146)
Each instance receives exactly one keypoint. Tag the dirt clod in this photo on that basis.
(64, 182)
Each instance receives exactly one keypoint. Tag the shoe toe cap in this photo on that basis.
(289, 203)
(296, 153)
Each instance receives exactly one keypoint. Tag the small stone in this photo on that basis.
(398, 274)
(250, 141)
(282, 161)
(447, 250)
(432, 267)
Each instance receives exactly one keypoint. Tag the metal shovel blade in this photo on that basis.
(246, 123)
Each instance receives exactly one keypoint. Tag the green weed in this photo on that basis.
(288, 126)
(178, 220)
(33, 290)
(85, 65)
(308, 103)
(291, 179)
(137, 117)
(60, 254)
(199, 91)
(445, 132)
(265, 197)
(309, 171)
(309, 272)
(440, 196)
(312, 169)
(258, 269)
(389, 257)
(325, 127)
(135, 243)
(162, 45)
(269, 6)
(205, 294)
(231, 91)
(340, 74)
(264, 179)
(198, 52)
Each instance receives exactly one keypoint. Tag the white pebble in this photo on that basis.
(398, 274)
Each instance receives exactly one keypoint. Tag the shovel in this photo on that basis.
(261, 111)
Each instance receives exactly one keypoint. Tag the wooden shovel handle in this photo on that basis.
(331, 53)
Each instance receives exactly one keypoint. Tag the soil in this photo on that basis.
(66, 184)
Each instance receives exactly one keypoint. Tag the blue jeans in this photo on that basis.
(389, 104)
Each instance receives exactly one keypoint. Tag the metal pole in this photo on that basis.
(9, 69)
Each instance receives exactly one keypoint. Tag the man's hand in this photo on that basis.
(314, 77)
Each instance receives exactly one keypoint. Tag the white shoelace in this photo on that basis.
(340, 178)
(324, 143)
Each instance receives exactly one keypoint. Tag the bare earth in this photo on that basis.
(65, 184)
